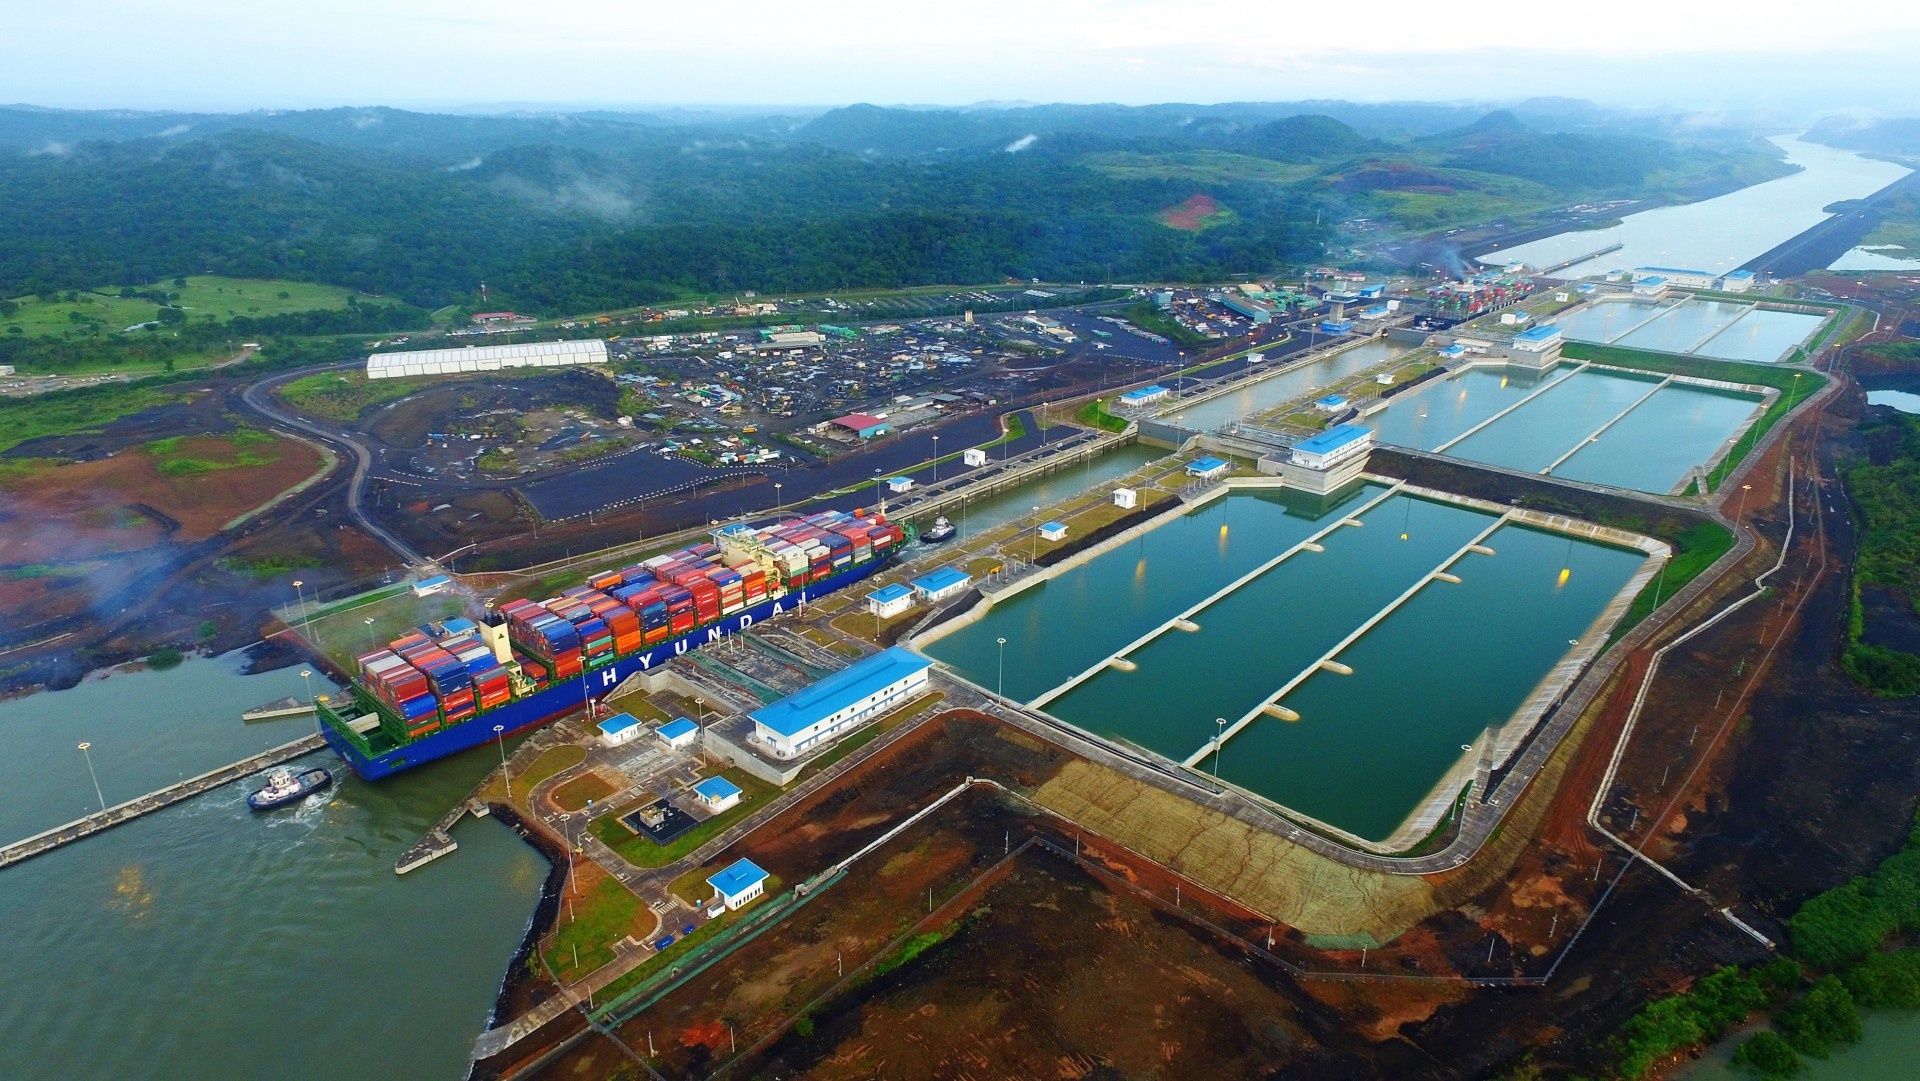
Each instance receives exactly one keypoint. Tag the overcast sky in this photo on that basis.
(242, 54)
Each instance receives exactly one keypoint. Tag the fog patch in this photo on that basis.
(177, 129)
(1022, 143)
(466, 166)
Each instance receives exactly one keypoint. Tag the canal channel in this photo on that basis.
(1451, 662)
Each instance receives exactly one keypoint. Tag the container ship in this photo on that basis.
(459, 683)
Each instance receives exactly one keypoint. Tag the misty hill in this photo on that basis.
(1501, 144)
(1893, 136)
(573, 212)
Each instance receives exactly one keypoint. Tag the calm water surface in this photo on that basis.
(209, 942)
(1717, 235)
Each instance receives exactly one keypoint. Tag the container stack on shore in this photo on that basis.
(442, 675)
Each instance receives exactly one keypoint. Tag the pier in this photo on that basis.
(60, 836)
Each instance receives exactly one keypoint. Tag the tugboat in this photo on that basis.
(284, 787)
(940, 530)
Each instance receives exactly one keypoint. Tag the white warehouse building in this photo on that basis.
(839, 703)
(486, 358)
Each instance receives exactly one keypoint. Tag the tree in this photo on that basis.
(1824, 1016)
(1768, 1055)
(172, 317)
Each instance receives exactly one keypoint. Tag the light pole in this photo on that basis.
(776, 494)
(306, 675)
(369, 622)
(301, 594)
(1742, 504)
(1036, 535)
(96, 777)
(936, 459)
(1219, 737)
(500, 738)
(1000, 683)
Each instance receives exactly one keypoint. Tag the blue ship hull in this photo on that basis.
(544, 705)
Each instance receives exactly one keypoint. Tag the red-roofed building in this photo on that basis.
(860, 425)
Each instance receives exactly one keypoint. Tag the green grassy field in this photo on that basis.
(22, 419)
(343, 395)
(204, 297)
(642, 852)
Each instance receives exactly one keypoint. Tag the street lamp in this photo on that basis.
(299, 593)
(1036, 535)
(1219, 737)
(776, 494)
(936, 459)
(1742, 504)
(96, 777)
(306, 675)
(369, 622)
(1000, 684)
(500, 738)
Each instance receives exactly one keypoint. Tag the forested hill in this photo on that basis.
(568, 213)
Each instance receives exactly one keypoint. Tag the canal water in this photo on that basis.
(1651, 448)
(1888, 1048)
(1285, 387)
(1255, 639)
(1718, 235)
(1719, 329)
(1903, 400)
(209, 942)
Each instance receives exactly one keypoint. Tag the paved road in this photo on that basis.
(259, 398)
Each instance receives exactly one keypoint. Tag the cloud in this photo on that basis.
(1022, 143)
(465, 166)
(55, 149)
(177, 129)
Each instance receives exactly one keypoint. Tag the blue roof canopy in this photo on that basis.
(942, 579)
(737, 878)
(1204, 465)
(890, 593)
(1544, 332)
(716, 788)
(678, 727)
(1332, 439)
(797, 712)
(1332, 399)
(619, 722)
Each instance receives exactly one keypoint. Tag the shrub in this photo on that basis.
(1766, 1054)
(163, 659)
(1824, 1016)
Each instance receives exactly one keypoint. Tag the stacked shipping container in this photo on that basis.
(432, 678)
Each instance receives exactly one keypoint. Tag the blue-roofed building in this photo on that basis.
(717, 794)
(899, 484)
(890, 600)
(619, 728)
(1453, 352)
(678, 733)
(1652, 288)
(1737, 281)
(1537, 339)
(1684, 277)
(1376, 313)
(837, 704)
(738, 883)
(1336, 326)
(938, 585)
(1373, 292)
(1134, 399)
(1332, 403)
(1208, 468)
(1331, 447)
(426, 587)
(1053, 531)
